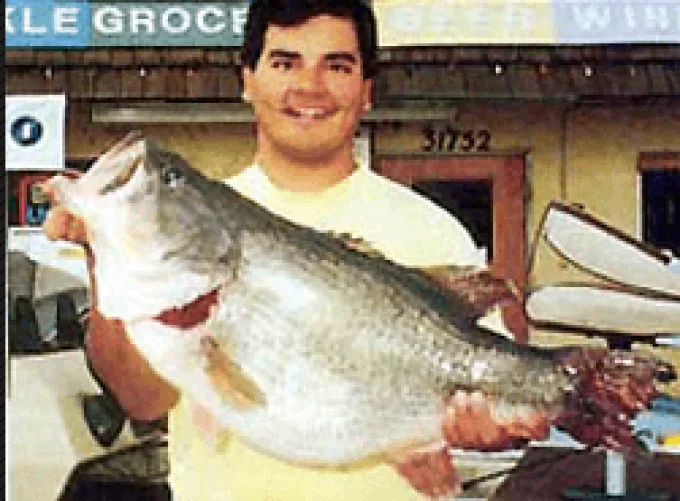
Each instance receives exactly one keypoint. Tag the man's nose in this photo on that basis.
(309, 79)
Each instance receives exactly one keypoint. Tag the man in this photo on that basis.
(308, 70)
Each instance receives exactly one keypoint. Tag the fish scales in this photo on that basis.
(310, 385)
(389, 307)
(294, 320)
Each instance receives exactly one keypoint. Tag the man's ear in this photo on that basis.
(247, 76)
(367, 95)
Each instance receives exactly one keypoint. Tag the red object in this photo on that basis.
(24, 189)
(191, 314)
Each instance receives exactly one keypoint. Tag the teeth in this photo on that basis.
(309, 112)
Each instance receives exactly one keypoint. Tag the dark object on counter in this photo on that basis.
(104, 417)
(547, 474)
(142, 429)
(70, 329)
(23, 328)
(134, 473)
(117, 491)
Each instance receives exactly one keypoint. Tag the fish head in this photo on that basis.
(156, 240)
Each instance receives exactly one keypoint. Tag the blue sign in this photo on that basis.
(45, 23)
(57, 23)
(74, 23)
(614, 21)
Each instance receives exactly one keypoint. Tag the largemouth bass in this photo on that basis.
(336, 355)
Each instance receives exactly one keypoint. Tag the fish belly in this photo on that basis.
(328, 399)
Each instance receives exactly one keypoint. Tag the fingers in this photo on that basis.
(431, 473)
(489, 433)
(61, 224)
(472, 423)
(47, 187)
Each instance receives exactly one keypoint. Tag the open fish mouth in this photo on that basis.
(117, 167)
(113, 172)
(123, 177)
(119, 171)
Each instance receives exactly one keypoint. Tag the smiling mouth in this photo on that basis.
(307, 113)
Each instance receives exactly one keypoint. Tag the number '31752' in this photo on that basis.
(451, 139)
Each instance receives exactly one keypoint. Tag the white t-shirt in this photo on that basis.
(390, 217)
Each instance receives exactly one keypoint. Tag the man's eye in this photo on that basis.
(282, 65)
(341, 68)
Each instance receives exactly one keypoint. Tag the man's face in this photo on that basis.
(307, 89)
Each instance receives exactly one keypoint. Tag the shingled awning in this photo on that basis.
(562, 73)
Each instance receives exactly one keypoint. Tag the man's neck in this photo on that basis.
(302, 175)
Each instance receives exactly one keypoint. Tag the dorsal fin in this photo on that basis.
(478, 289)
(358, 244)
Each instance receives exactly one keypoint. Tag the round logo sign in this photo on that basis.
(26, 130)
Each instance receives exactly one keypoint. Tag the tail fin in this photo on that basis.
(609, 389)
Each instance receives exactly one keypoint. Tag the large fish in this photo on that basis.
(332, 355)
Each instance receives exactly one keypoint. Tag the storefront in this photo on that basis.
(492, 109)
(519, 126)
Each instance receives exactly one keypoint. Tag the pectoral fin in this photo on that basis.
(228, 378)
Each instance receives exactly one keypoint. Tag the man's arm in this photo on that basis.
(141, 392)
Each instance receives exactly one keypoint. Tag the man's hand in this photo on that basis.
(142, 393)
(472, 423)
(61, 224)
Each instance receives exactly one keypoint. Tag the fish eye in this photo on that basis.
(172, 176)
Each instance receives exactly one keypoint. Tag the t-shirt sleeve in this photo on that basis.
(427, 235)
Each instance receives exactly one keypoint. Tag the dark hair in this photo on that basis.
(262, 13)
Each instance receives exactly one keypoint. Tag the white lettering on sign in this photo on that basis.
(440, 17)
(656, 17)
(28, 27)
(65, 18)
(108, 20)
(238, 19)
(9, 28)
(175, 12)
(444, 19)
(26, 131)
(203, 26)
(478, 19)
(629, 14)
(591, 17)
(519, 18)
(142, 16)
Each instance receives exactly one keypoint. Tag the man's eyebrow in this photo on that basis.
(284, 53)
(341, 56)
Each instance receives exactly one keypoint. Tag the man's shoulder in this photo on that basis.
(403, 201)
(413, 229)
(392, 193)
